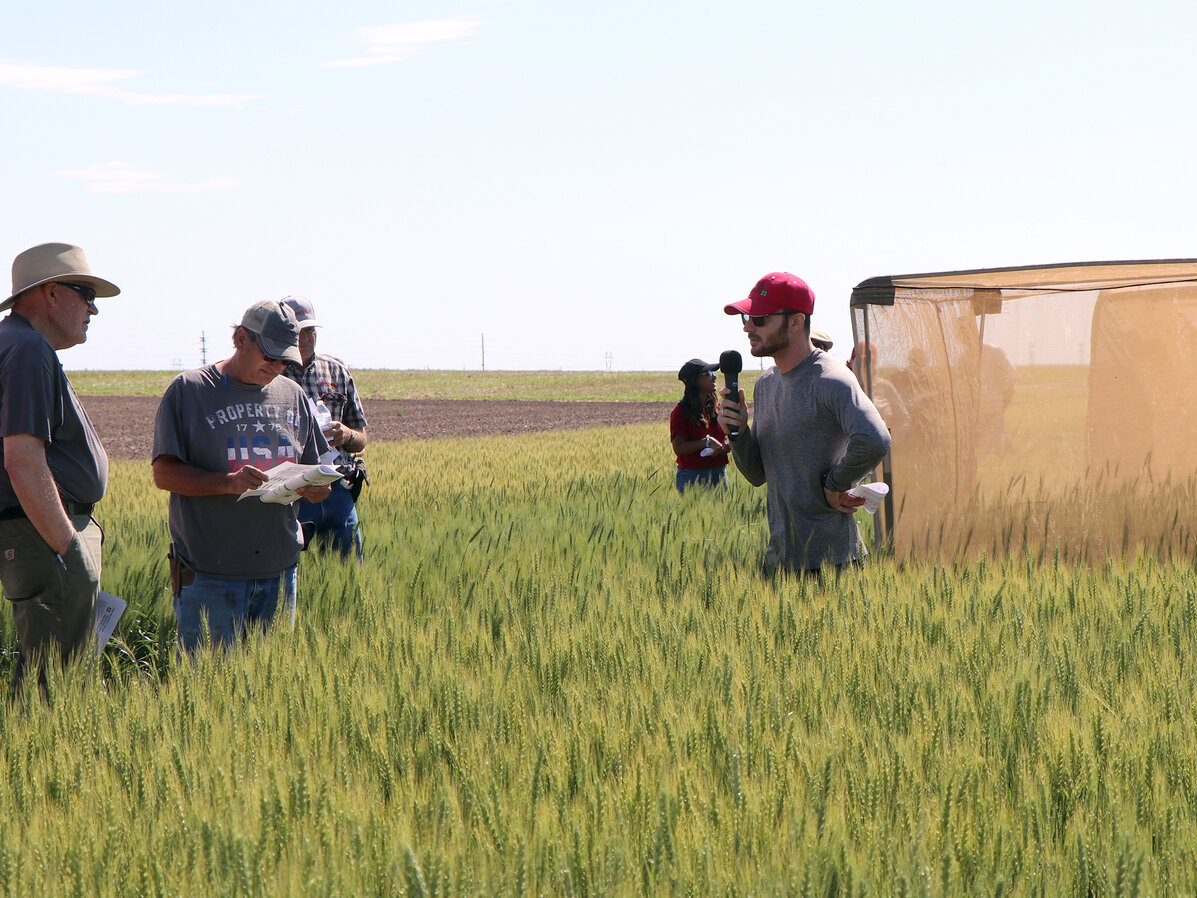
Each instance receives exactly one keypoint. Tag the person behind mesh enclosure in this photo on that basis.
(884, 394)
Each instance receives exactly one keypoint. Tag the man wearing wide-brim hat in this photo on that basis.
(820, 339)
(55, 469)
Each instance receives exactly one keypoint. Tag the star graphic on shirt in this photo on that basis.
(259, 427)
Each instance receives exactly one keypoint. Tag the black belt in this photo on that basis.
(72, 508)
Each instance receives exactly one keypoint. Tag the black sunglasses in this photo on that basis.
(759, 320)
(87, 294)
(253, 338)
(271, 358)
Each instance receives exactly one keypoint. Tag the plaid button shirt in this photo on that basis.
(327, 378)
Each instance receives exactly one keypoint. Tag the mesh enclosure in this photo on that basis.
(1039, 408)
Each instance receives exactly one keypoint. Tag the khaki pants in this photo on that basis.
(53, 603)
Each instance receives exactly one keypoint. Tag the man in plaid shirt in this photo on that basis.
(326, 379)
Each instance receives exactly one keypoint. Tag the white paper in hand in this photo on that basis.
(282, 482)
(872, 493)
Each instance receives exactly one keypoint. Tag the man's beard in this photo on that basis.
(772, 345)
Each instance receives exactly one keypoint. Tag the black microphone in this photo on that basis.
(731, 365)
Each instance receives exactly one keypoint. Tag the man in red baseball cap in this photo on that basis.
(814, 434)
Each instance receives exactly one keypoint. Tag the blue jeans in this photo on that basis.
(708, 477)
(229, 606)
(335, 521)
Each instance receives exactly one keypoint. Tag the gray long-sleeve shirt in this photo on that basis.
(813, 426)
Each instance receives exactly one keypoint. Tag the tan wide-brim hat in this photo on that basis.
(54, 262)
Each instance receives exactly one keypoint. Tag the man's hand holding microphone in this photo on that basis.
(733, 418)
(733, 413)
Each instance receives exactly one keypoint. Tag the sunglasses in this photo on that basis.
(87, 294)
(271, 358)
(759, 320)
(258, 343)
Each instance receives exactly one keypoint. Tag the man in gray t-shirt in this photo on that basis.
(218, 429)
(814, 434)
(54, 468)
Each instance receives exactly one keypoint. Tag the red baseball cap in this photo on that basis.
(776, 292)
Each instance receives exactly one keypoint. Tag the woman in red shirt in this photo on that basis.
(698, 440)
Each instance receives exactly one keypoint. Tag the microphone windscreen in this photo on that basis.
(730, 362)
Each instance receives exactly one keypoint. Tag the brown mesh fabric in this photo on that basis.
(1039, 409)
(1142, 407)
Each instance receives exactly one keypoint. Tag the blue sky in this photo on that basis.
(579, 184)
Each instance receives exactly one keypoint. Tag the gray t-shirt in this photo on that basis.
(36, 398)
(812, 426)
(218, 423)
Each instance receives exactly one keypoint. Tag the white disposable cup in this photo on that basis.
(873, 494)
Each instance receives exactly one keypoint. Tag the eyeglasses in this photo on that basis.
(759, 320)
(87, 294)
(272, 359)
(253, 338)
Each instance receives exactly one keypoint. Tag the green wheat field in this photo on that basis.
(555, 676)
(377, 383)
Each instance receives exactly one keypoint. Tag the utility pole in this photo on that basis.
(484, 352)
(608, 358)
(203, 349)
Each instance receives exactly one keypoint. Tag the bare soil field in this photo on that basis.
(126, 423)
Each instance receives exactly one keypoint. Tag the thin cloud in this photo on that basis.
(386, 44)
(102, 83)
(126, 177)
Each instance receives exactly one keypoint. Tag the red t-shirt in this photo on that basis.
(681, 425)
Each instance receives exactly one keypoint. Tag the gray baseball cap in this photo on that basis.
(305, 312)
(275, 327)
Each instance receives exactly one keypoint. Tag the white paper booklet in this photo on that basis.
(109, 609)
(283, 480)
